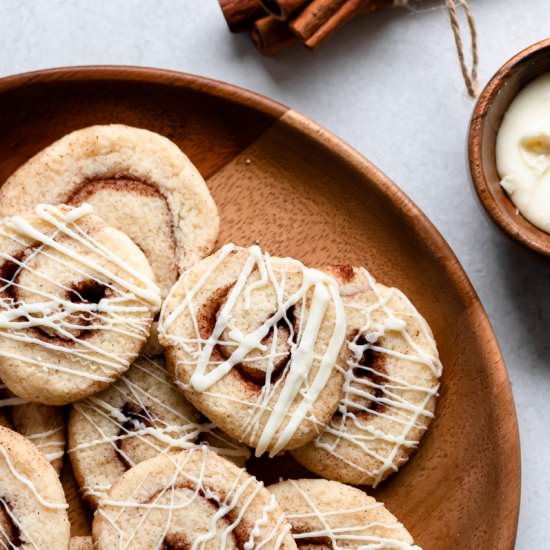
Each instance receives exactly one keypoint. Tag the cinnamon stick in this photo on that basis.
(284, 9)
(322, 17)
(241, 14)
(317, 14)
(270, 35)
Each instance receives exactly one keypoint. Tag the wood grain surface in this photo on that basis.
(487, 116)
(280, 179)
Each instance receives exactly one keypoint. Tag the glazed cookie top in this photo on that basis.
(125, 173)
(33, 510)
(392, 379)
(194, 499)
(253, 341)
(327, 515)
(76, 303)
(141, 415)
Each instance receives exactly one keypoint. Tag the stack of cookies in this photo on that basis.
(160, 365)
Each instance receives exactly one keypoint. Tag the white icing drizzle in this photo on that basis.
(161, 437)
(12, 402)
(235, 504)
(282, 419)
(29, 484)
(401, 414)
(149, 292)
(5, 539)
(42, 440)
(363, 536)
(56, 313)
(42, 444)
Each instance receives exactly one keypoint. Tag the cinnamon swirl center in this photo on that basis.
(271, 357)
(371, 368)
(369, 376)
(8, 274)
(88, 291)
(228, 521)
(136, 418)
(175, 541)
(122, 201)
(29, 277)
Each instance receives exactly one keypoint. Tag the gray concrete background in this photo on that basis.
(389, 85)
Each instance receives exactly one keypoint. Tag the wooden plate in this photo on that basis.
(281, 179)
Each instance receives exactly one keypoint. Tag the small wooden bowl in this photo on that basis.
(486, 119)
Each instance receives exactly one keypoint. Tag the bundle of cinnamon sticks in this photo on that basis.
(273, 24)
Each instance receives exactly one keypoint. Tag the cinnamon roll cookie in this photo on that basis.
(194, 499)
(33, 510)
(143, 414)
(41, 424)
(253, 341)
(77, 300)
(392, 379)
(325, 515)
(138, 181)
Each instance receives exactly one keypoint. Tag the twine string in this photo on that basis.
(470, 75)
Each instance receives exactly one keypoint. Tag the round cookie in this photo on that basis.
(81, 543)
(392, 379)
(253, 341)
(33, 510)
(183, 500)
(325, 515)
(41, 424)
(141, 415)
(76, 304)
(125, 173)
